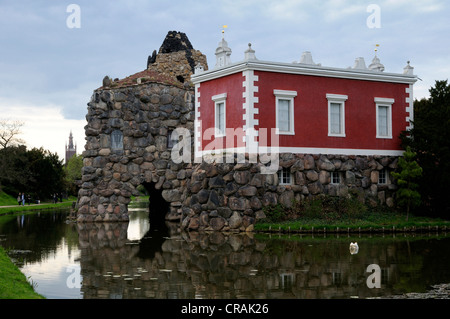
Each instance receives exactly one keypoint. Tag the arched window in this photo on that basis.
(117, 140)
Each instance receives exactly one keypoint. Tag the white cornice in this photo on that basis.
(303, 69)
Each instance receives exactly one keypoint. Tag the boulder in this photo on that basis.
(217, 223)
(247, 191)
(235, 220)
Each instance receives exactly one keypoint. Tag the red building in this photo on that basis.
(300, 107)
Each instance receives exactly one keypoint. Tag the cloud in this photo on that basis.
(342, 10)
(49, 69)
(45, 127)
(414, 6)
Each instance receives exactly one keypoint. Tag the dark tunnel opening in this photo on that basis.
(158, 207)
(152, 241)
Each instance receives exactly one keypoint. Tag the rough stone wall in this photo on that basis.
(179, 63)
(176, 57)
(232, 196)
(144, 114)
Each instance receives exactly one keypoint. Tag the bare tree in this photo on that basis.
(9, 131)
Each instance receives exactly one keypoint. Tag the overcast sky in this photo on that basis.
(50, 61)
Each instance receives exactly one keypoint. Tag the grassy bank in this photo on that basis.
(377, 223)
(331, 214)
(6, 200)
(13, 283)
(8, 205)
(15, 209)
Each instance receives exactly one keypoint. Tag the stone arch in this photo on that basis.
(158, 206)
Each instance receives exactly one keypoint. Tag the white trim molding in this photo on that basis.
(303, 69)
(288, 96)
(410, 107)
(197, 123)
(337, 99)
(384, 103)
(309, 150)
(250, 109)
(220, 100)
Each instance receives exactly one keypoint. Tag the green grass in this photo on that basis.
(376, 223)
(34, 207)
(333, 214)
(13, 283)
(7, 200)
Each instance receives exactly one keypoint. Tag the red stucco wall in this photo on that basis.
(311, 108)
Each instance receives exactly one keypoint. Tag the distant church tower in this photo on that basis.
(70, 149)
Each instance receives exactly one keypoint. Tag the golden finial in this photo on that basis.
(376, 48)
(223, 29)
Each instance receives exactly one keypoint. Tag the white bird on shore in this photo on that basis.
(354, 248)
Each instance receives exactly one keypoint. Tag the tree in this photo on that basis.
(46, 174)
(9, 129)
(407, 194)
(13, 169)
(73, 173)
(36, 172)
(430, 140)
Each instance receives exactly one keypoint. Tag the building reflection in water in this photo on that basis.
(119, 261)
(141, 259)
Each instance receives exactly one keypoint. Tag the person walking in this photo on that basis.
(23, 199)
(19, 199)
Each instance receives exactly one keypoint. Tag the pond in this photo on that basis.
(135, 260)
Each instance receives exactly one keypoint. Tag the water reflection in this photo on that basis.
(43, 246)
(138, 225)
(218, 265)
(134, 260)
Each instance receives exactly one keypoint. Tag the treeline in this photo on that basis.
(430, 141)
(38, 173)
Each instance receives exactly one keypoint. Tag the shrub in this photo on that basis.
(324, 207)
(275, 214)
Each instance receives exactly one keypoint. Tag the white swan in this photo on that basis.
(354, 248)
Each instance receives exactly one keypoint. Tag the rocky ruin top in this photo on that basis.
(173, 64)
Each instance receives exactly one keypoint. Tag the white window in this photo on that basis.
(284, 176)
(335, 178)
(220, 114)
(336, 114)
(383, 177)
(284, 101)
(384, 117)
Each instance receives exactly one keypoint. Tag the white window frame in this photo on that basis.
(336, 175)
(289, 96)
(282, 179)
(218, 100)
(384, 102)
(337, 99)
(383, 180)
